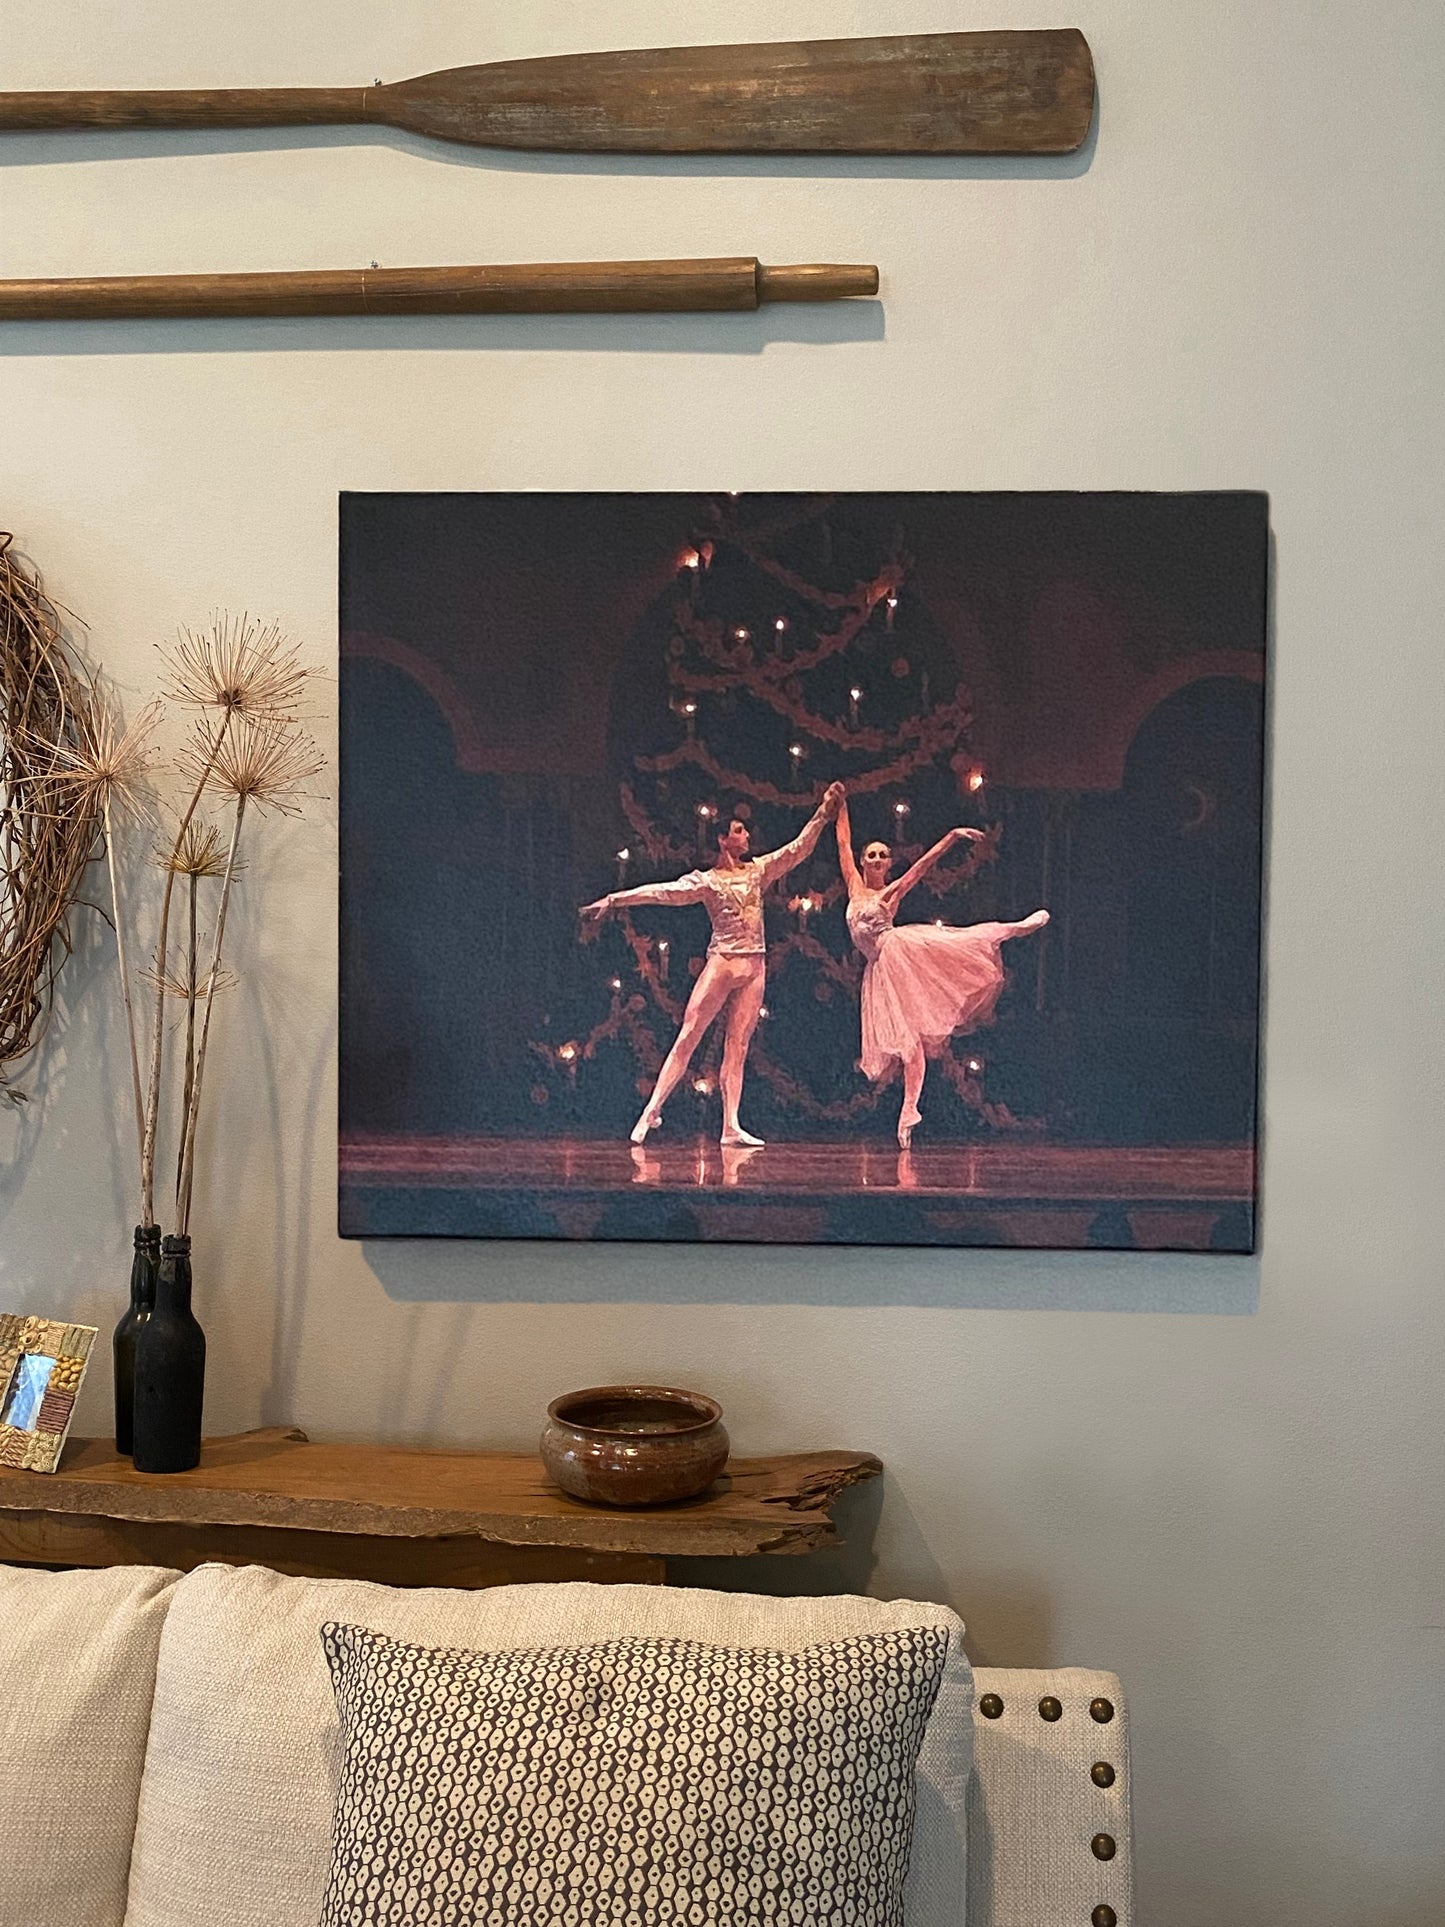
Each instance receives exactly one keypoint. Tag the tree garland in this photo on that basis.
(710, 655)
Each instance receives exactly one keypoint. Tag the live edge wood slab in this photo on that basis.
(408, 1518)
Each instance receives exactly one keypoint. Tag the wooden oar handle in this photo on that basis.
(186, 107)
(555, 287)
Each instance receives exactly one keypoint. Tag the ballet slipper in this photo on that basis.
(649, 1121)
(1030, 924)
(739, 1139)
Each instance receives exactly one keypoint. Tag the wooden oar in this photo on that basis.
(945, 93)
(552, 287)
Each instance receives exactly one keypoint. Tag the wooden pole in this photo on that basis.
(555, 287)
(944, 93)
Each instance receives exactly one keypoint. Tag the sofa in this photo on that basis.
(168, 1742)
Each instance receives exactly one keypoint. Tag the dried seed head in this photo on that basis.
(265, 763)
(237, 666)
(171, 984)
(201, 852)
(106, 764)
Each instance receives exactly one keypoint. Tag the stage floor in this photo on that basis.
(1013, 1192)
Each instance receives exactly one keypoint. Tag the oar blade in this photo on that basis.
(957, 93)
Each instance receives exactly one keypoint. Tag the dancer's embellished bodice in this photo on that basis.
(732, 896)
(869, 916)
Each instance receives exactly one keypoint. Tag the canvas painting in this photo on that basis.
(820, 869)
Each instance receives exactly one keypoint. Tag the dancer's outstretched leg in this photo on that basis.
(914, 1067)
(709, 994)
(742, 1022)
(1024, 929)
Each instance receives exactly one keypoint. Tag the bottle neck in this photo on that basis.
(173, 1280)
(143, 1268)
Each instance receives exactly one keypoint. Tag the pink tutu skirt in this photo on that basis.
(925, 985)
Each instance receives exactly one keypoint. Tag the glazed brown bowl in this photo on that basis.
(634, 1445)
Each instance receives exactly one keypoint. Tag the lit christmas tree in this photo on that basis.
(788, 653)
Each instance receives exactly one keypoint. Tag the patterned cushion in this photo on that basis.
(631, 1781)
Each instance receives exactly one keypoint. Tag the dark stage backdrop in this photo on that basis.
(547, 697)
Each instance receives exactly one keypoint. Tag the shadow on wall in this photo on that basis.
(446, 1271)
(82, 1030)
(1008, 1613)
(814, 324)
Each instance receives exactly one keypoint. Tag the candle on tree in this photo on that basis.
(624, 857)
(855, 696)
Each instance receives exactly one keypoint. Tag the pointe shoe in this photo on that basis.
(649, 1121)
(1030, 924)
(906, 1122)
(738, 1139)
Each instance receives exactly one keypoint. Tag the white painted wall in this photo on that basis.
(1221, 1477)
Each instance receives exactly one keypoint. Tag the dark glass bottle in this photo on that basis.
(143, 1267)
(170, 1371)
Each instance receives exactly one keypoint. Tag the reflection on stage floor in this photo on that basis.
(1197, 1197)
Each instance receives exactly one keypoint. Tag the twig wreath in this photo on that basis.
(46, 840)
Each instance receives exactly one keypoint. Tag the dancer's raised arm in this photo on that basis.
(895, 892)
(846, 862)
(777, 863)
(682, 890)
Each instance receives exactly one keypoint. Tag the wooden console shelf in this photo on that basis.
(409, 1518)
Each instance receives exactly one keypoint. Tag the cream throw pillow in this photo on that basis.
(242, 1770)
(77, 1671)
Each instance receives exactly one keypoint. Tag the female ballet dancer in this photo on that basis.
(921, 983)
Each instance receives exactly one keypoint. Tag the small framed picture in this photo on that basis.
(41, 1365)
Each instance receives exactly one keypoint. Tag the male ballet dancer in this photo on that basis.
(733, 976)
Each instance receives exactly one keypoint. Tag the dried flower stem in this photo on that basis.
(153, 1092)
(124, 969)
(193, 884)
(193, 1106)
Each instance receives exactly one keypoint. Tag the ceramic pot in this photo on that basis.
(634, 1445)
